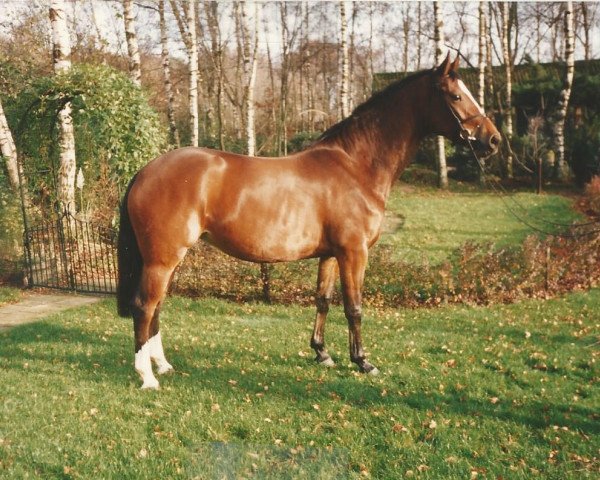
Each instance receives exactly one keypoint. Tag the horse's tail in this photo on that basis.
(129, 259)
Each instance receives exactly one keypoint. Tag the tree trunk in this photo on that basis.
(174, 134)
(406, 22)
(272, 104)
(66, 137)
(481, 55)
(193, 60)
(438, 35)
(135, 69)
(481, 67)
(352, 54)
(283, 95)
(345, 110)
(212, 16)
(489, 74)
(508, 125)
(305, 72)
(562, 168)
(538, 33)
(419, 34)
(101, 42)
(586, 30)
(250, 68)
(8, 151)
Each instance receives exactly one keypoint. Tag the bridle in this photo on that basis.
(465, 134)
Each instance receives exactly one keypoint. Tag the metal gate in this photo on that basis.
(68, 253)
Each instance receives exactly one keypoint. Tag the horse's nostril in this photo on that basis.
(494, 141)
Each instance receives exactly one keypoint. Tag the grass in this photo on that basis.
(436, 223)
(9, 295)
(494, 392)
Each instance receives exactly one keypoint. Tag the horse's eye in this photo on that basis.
(456, 98)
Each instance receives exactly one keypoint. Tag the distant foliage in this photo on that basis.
(116, 131)
(475, 273)
(536, 101)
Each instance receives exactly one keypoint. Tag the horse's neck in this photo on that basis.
(390, 138)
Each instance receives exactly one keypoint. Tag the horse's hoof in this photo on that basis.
(151, 384)
(369, 369)
(326, 362)
(164, 369)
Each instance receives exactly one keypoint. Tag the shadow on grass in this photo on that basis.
(62, 346)
(296, 379)
(534, 414)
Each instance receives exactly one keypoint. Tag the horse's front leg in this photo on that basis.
(328, 270)
(352, 273)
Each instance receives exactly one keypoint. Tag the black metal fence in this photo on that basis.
(68, 253)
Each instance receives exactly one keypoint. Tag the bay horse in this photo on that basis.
(325, 202)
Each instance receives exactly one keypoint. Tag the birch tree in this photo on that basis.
(481, 69)
(187, 29)
(489, 74)
(589, 12)
(214, 29)
(8, 151)
(562, 169)
(250, 70)
(173, 132)
(193, 61)
(66, 138)
(283, 94)
(438, 35)
(506, 58)
(481, 54)
(344, 104)
(133, 50)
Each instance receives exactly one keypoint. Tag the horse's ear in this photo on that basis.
(454, 66)
(444, 68)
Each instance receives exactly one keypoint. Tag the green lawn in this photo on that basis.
(433, 223)
(9, 295)
(495, 392)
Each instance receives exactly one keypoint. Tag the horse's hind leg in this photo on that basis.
(325, 283)
(153, 286)
(157, 353)
(352, 273)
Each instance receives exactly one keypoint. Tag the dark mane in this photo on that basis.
(376, 101)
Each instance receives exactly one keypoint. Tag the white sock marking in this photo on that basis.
(144, 367)
(158, 354)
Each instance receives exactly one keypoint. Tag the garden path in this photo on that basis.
(35, 306)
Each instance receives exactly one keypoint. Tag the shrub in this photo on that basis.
(584, 142)
(475, 274)
(116, 131)
(592, 196)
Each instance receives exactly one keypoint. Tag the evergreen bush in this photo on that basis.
(116, 132)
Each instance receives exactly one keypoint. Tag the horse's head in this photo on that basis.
(457, 115)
